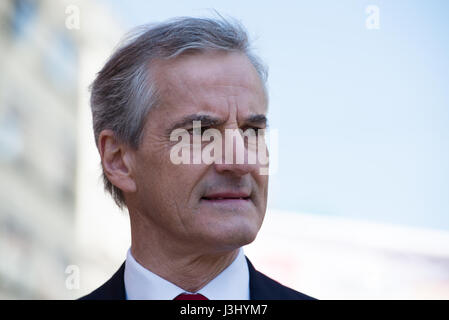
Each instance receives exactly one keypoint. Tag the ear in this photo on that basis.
(116, 159)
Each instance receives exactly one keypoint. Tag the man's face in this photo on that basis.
(182, 201)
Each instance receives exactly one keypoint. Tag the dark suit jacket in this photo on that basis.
(260, 287)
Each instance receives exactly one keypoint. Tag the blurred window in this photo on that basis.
(24, 12)
(11, 138)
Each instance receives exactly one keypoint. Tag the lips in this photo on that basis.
(227, 196)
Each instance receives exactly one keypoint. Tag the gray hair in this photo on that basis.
(123, 91)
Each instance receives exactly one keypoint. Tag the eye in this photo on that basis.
(252, 130)
(190, 131)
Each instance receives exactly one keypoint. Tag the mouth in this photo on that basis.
(227, 198)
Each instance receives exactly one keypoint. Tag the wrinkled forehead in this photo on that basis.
(210, 81)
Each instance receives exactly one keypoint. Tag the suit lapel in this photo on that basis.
(258, 289)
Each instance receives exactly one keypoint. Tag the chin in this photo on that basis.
(229, 239)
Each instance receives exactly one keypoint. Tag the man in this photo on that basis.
(188, 220)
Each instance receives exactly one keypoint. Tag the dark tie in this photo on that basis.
(190, 296)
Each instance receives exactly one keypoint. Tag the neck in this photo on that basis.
(187, 268)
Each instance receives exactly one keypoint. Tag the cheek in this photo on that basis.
(262, 183)
(186, 177)
(176, 184)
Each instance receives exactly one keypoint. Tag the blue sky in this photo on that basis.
(363, 115)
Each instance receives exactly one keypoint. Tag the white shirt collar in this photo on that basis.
(231, 284)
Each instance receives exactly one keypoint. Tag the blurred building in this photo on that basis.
(40, 59)
(337, 258)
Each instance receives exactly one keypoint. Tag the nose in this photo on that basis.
(238, 157)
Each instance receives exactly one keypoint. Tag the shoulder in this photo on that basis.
(264, 288)
(113, 289)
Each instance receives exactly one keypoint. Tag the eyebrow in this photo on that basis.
(210, 121)
(258, 119)
(206, 120)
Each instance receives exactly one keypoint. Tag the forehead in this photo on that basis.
(211, 82)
